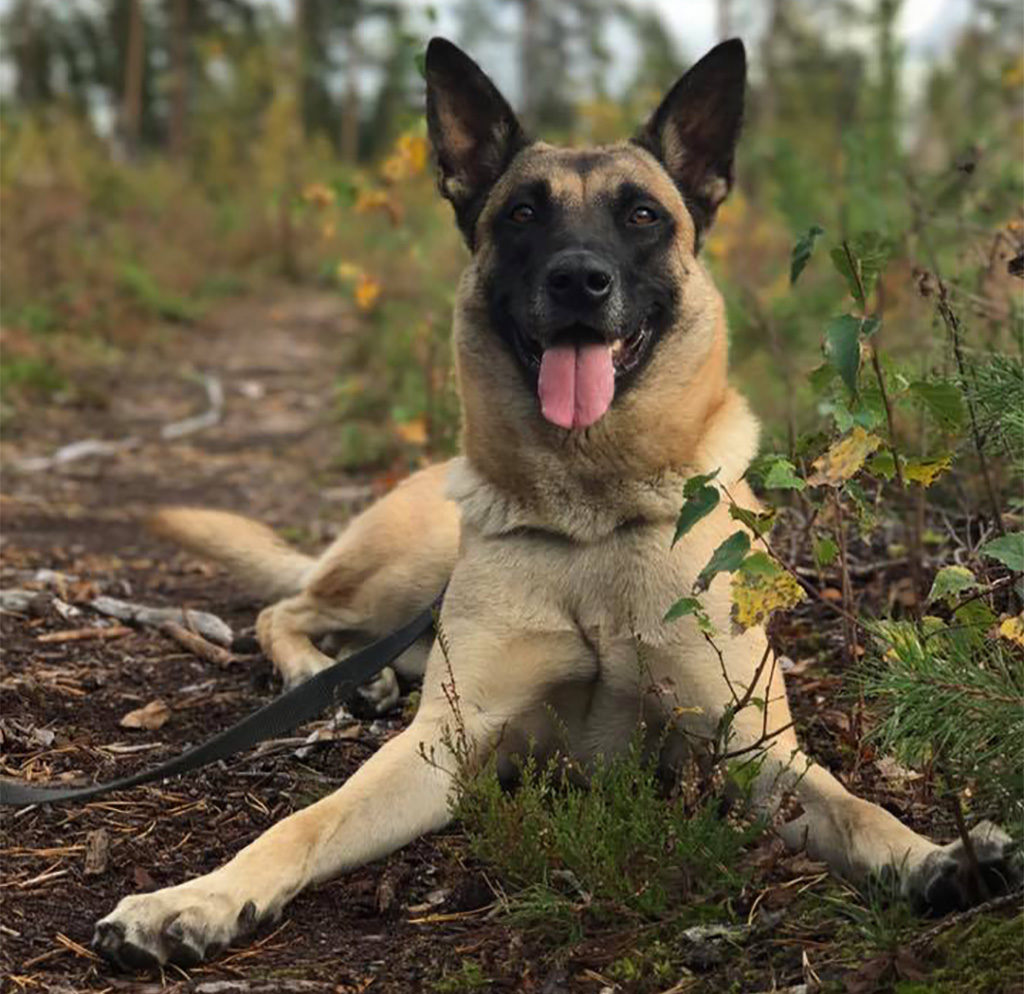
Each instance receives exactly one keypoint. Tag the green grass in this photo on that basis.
(33, 374)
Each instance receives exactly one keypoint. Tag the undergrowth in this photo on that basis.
(615, 844)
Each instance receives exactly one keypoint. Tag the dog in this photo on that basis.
(591, 354)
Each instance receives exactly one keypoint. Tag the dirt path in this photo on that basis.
(270, 456)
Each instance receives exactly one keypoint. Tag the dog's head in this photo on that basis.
(582, 257)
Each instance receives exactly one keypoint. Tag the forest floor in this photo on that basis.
(426, 919)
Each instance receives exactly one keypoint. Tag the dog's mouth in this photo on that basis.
(577, 370)
(626, 351)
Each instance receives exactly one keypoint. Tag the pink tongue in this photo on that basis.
(576, 384)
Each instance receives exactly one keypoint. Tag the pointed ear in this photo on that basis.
(694, 131)
(473, 130)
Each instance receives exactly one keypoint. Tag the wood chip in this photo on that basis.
(85, 634)
(97, 852)
(151, 717)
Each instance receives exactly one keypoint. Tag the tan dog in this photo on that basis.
(591, 350)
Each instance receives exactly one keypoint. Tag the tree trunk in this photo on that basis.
(178, 131)
(528, 48)
(724, 19)
(131, 98)
(348, 138)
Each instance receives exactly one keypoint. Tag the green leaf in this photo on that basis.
(687, 606)
(975, 614)
(842, 348)
(883, 465)
(821, 378)
(420, 58)
(695, 483)
(867, 254)
(759, 564)
(1008, 549)
(760, 523)
(701, 500)
(825, 551)
(782, 476)
(726, 558)
(802, 252)
(943, 400)
(951, 581)
(682, 607)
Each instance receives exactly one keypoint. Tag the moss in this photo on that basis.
(986, 954)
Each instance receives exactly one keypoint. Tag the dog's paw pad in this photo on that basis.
(946, 880)
(111, 941)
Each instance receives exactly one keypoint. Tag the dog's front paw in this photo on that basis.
(182, 925)
(945, 880)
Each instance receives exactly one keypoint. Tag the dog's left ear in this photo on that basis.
(474, 132)
(694, 131)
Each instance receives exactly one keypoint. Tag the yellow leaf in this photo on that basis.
(412, 432)
(367, 291)
(318, 194)
(844, 459)
(1012, 629)
(348, 271)
(757, 593)
(925, 471)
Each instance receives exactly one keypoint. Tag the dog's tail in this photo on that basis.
(265, 563)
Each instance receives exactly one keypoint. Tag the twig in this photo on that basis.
(996, 904)
(86, 634)
(849, 631)
(952, 323)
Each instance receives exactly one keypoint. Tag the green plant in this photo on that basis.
(468, 977)
(603, 843)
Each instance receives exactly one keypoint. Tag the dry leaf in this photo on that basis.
(844, 459)
(153, 716)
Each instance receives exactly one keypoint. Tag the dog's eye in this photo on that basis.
(522, 214)
(642, 216)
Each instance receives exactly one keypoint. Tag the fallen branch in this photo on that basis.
(210, 417)
(197, 645)
(209, 626)
(78, 450)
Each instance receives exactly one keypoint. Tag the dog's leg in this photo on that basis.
(394, 797)
(385, 567)
(401, 792)
(857, 839)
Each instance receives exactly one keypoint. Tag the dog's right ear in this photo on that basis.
(473, 130)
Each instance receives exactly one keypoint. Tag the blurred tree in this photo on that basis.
(131, 97)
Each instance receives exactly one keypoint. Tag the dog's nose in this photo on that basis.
(579, 280)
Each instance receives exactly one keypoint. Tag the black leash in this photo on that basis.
(281, 715)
